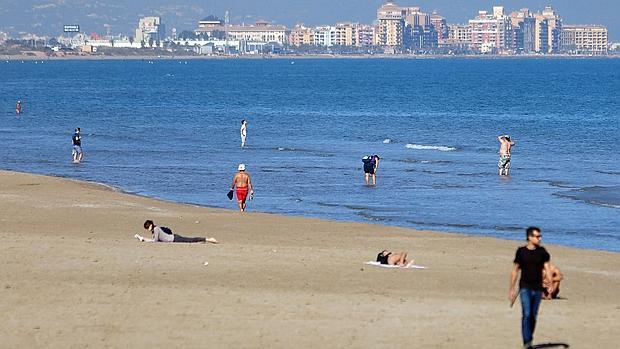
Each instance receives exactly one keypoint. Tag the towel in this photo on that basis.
(377, 264)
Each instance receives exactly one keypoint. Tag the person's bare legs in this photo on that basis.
(80, 157)
(241, 205)
(397, 258)
(366, 177)
(374, 179)
(400, 259)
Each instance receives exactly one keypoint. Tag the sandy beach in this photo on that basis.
(75, 277)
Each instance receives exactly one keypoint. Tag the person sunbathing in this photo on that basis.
(163, 234)
(394, 258)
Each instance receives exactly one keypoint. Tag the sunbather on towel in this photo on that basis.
(394, 258)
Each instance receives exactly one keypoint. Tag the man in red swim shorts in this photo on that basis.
(243, 185)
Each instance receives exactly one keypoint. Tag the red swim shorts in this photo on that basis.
(242, 193)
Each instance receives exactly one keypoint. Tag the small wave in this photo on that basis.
(415, 161)
(429, 147)
(387, 141)
(597, 195)
(609, 172)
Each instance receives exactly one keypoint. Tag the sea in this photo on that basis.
(169, 129)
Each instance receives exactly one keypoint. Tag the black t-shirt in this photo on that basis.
(77, 140)
(531, 263)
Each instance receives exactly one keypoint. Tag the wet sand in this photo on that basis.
(73, 276)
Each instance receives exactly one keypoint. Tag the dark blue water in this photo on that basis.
(170, 130)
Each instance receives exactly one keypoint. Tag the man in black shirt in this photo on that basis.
(531, 260)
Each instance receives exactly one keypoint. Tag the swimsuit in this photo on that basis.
(369, 167)
(242, 193)
(504, 162)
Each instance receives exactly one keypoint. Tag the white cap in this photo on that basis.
(241, 167)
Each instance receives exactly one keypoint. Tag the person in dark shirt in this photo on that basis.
(77, 152)
(530, 260)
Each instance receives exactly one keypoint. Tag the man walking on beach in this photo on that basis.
(243, 185)
(504, 154)
(531, 260)
(244, 132)
(77, 152)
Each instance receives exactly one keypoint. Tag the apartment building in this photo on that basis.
(584, 39)
(489, 31)
(390, 30)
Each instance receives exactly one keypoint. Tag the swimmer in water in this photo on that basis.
(244, 132)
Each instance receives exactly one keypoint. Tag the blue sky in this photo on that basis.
(45, 16)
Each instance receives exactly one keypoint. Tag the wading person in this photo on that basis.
(18, 107)
(163, 234)
(77, 152)
(504, 154)
(530, 260)
(371, 164)
(244, 132)
(242, 183)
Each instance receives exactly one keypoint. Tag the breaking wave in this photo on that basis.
(429, 147)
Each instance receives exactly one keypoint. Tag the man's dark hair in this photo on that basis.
(530, 231)
(148, 223)
(242, 121)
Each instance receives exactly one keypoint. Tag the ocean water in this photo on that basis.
(170, 129)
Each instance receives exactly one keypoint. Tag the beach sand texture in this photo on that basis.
(73, 276)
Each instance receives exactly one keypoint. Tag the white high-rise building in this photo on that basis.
(150, 31)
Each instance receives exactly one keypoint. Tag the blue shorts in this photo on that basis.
(77, 149)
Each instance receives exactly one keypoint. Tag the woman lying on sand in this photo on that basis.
(163, 234)
(394, 258)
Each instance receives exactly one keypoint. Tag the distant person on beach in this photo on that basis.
(504, 154)
(163, 234)
(244, 132)
(243, 185)
(371, 164)
(552, 290)
(18, 107)
(394, 258)
(77, 152)
(530, 260)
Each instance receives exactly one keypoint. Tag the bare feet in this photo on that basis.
(211, 240)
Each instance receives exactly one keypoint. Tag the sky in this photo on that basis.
(46, 17)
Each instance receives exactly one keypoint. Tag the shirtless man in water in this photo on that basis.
(504, 154)
(243, 185)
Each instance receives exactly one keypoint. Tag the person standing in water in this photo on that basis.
(244, 132)
(243, 185)
(504, 154)
(18, 107)
(77, 152)
(371, 164)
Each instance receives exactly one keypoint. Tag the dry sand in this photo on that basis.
(73, 276)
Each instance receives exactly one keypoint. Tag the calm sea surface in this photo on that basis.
(170, 129)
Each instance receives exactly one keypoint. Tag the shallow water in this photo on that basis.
(171, 130)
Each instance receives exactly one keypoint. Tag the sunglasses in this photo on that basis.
(537, 236)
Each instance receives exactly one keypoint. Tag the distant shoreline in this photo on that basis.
(309, 56)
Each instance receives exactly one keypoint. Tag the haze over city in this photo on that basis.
(119, 17)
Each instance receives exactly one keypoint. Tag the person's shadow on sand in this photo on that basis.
(550, 345)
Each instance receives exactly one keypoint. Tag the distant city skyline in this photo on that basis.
(46, 17)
